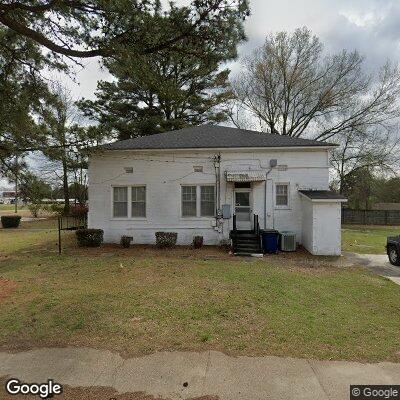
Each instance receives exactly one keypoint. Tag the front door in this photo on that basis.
(243, 209)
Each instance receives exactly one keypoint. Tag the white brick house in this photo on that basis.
(193, 181)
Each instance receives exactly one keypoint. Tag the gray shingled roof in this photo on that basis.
(211, 136)
(322, 195)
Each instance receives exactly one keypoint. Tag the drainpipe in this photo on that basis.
(265, 198)
(217, 168)
(219, 180)
(272, 163)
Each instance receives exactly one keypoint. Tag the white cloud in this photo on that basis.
(370, 26)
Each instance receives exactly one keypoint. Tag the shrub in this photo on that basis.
(56, 208)
(126, 241)
(80, 210)
(89, 237)
(10, 221)
(34, 208)
(166, 239)
(198, 242)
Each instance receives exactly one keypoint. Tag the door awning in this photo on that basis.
(245, 176)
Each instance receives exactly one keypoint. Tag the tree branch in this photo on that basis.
(42, 40)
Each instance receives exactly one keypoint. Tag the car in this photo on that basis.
(393, 249)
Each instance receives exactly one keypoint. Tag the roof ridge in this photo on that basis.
(212, 136)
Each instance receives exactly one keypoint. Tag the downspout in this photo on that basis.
(219, 181)
(272, 163)
(217, 168)
(265, 198)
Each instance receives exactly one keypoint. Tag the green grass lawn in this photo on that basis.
(23, 211)
(367, 239)
(7, 207)
(140, 300)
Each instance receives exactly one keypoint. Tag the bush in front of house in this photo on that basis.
(198, 242)
(166, 239)
(89, 237)
(10, 221)
(126, 241)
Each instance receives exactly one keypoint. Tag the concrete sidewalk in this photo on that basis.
(208, 373)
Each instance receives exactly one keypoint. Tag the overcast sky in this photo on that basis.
(370, 26)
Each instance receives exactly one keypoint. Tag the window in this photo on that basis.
(282, 195)
(120, 203)
(133, 195)
(207, 203)
(189, 201)
(198, 201)
(138, 201)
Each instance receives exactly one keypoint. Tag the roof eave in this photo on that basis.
(322, 147)
(333, 200)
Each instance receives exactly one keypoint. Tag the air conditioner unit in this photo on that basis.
(288, 241)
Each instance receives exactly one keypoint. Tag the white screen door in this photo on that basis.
(243, 209)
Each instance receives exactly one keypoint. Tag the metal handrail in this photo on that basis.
(256, 225)
(64, 224)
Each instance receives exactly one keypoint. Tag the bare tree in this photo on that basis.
(357, 153)
(291, 88)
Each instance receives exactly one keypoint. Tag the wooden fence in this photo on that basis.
(371, 217)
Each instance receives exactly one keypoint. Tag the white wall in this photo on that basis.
(163, 172)
(307, 225)
(327, 228)
(322, 227)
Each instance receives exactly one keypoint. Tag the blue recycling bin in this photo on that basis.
(270, 239)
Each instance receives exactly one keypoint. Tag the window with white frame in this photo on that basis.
(282, 195)
(189, 201)
(138, 201)
(120, 202)
(125, 195)
(198, 201)
(207, 201)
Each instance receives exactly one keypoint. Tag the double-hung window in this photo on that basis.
(189, 201)
(207, 201)
(129, 201)
(282, 195)
(120, 202)
(198, 201)
(138, 201)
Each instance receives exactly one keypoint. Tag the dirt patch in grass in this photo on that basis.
(302, 260)
(205, 253)
(90, 393)
(6, 288)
